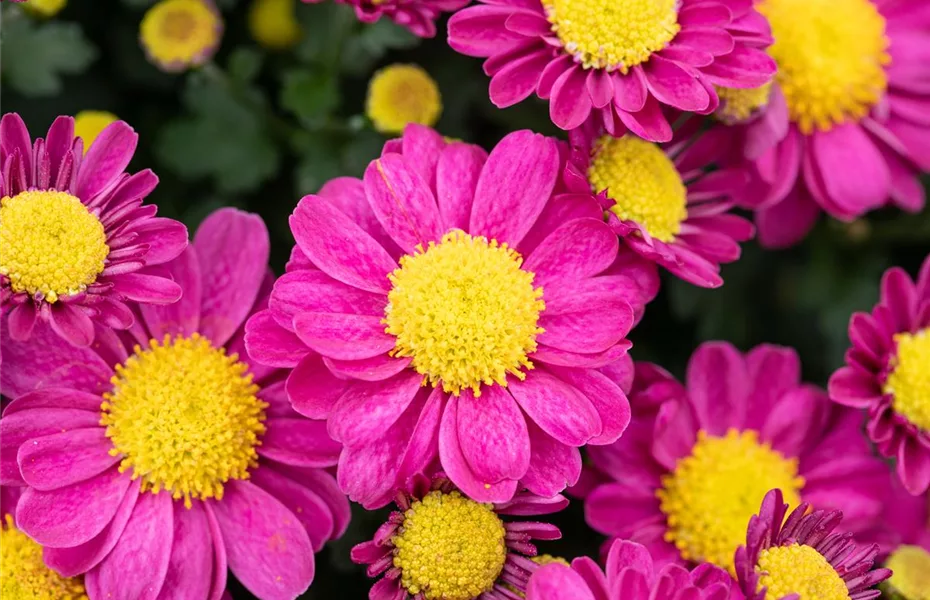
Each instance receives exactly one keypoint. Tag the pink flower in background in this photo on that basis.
(886, 374)
(455, 305)
(419, 16)
(162, 456)
(620, 63)
(697, 458)
(77, 246)
(670, 204)
(630, 574)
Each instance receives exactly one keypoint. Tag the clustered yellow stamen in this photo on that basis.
(180, 31)
(710, 496)
(798, 569)
(185, 417)
(449, 547)
(910, 578)
(402, 94)
(737, 105)
(23, 574)
(50, 244)
(831, 57)
(613, 34)
(643, 182)
(909, 381)
(88, 124)
(273, 23)
(465, 312)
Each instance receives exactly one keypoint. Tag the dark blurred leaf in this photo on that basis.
(311, 94)
(244, 64)
(326, 27)
(369, 46)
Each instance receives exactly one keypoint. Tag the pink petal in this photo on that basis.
(517, 80)
(183, 316)
(191, 557)
(270, 344)
(326, 489)
(72, 324)
(608, 399)
(553, 465)
(479, 30)
(420, 147)
(675, 432)
(377, 368)
(913, 467)
(581, 248)
(630, 91)
(342, 336)
(854, 173)
(787, 222)
(587, 330)
(26, 425)
(347, 195)
(600, 87)
(718, 385)
(569, 102)
(58, 460)
(14, 138)
(648, 123)
(850, 387)
(309, 509)
(745, 67)
(22, 320)
(299, 442)
(492, 435)
(424, 440)
(312, 389)
(456, 180)
(773, 370)
(141, 287)
(106, 159)
(559, 409)
(675, 86)
(315, 291)
(557, 582)
(368, 409)
(166, 239)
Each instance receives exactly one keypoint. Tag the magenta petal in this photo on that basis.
(456, 180)
(106, 159)
(22, 320)
(387, 589)
(913, 466)
(270, 344)
(299, 442)
(191, 558)
(368, 409)
(347, 195)
(553, 465)
(674, 433)
(593, 576)
(72, 324)
(309, 509)
(326, 489)
(607, 397)
(630, 91)
(142, 287)
(587, 330)
(312, 389)
(517, 80)
(718, 384)
(342, 336)
(600, 87)
(14, 139)
(558, 408)
(787, 222)
(557, 582)
(569, 102)
(850, 387)
(581, 248)
(166, 239)
(58, 460)
(479, 30)
(492, 434)
(377, 368)
(854, 173)
(773, 370)
(183, 316)
(424, 439)
(315, 291)
(675, 86)
(17, 428)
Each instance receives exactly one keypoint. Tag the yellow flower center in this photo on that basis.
(273, 23)
(643, 183)
(465, 311)
(831, 56)
(179, 31)
(909, 382)
(801, 570)
(45, 8)
(50, 244)
(185, 417)
(613, 34)
(910, 566)
(23, 574)
(709, 497)
(737, 105)
(402, 94)
(449, 547)
(88, 124)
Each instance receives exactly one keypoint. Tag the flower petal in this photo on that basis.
(61, 459)
(299, 442)
(492, 434)
(183, 316)
(559, 409)
(191, 558)
(457, 176)
(342, 336)
(579, 249)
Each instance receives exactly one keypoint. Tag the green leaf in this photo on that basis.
(311, 94)
(244, 64)
(326, 27)
(369, 46)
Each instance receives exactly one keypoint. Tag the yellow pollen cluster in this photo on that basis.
(23, 574)
(798, 569)
(50, 244)
(402, 94)
(273, 23)
(613, 34)
(179, 31)
(909, 382)
(831, 57)
(449, 547)
(185, 417)
(709, 497)
(88, 124)
(737, 105)
(643, 183)
(910, 566)
(465, 311)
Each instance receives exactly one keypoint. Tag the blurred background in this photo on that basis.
(261, 126)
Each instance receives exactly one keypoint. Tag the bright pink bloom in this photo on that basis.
(327, 316)
(750, 407)
(703, 44)
(91, 518)
(630, 575)
(419, 16)
(888, 345)
(135, 239)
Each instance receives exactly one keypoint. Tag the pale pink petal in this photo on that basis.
(492, 434)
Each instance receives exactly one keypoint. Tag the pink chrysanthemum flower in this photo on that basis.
(697, 459)
(670, 204)
(630, 575)
(442, 545)
(77, 246)
(419, 16)
(803, 557)
(160, 457)
(904, 537)
(844, 129)
(618, 61)
(886, 373)
(456, 303)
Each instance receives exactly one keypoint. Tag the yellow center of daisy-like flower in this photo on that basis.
(909, 381)
(45, 8)
(88, 124)
(643, 182)
(23, 574)
(799, 569)
(185, 417)
(273, 23)
(737, 105)
(710, 496)
(402, 94)
(910, 577)
(613, 34)
(465, 312)
(449, 547)
(831, 57)
(50, 244)
(179, 31)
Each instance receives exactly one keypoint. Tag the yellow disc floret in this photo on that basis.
(45, 8)
(738, 105)
(88, 124)
(50, 244)
(798, 569)
(613, 34)
(910, 577)
(909, 382)
(831, 57)
(709, 497)
(23, 574)
(449, 547)
(402, 94)
(185, 417)
(273, 23)
(180, 33)
(643, 183)
(465, 312)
